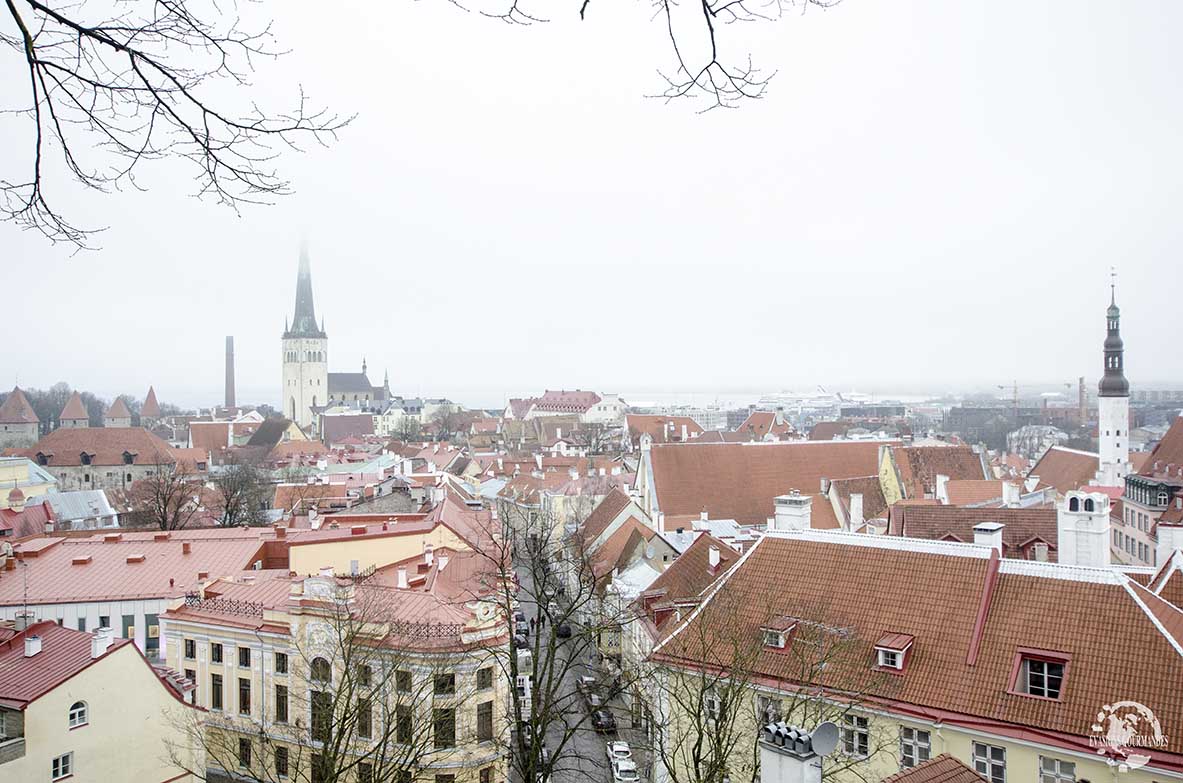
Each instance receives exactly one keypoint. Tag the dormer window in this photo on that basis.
(84, 458)
(128, 458)
(891, 652)
(42, 459)
(774, 638)
(776, 633)
(1039, 673)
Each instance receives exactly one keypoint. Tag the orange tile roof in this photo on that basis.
(690, 573)
(1168, 451)
(919, 466)
(971, 616)
(17, 410)
(603, 514)
(151, 408)
(74, 410)
(761, 423)
(118, 410)
(1065, 469)
(739, 481)
(106, 445)
(1023, 526)
(942, 769)
(969, 492)
(874, 504)
(663, 429)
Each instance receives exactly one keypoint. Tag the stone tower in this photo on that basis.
(305, 354)
(1113, 405)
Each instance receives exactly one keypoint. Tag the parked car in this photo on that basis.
(520, 641)
(586, 684)
(518, 616)
(619, 751)
(594, 701)
(563, 631)
(624, 771)
(602, 720)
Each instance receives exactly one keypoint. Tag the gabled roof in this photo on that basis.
(1065, 469)
(17, 410)
(971, 492)
(942, 769)
(739, 480)
(689, 575)
(106, 445)
(1167, 582)
(874, 504)
(29, 521)
(151, 408)
(663, 429)
(74, 410)
(828, 430)
(1168, 451)
(919, 466)
(601, 517)
(350, 382)
(971, 616)
(64, 653)
(1023, 526)
(761, 423)
(118, 410)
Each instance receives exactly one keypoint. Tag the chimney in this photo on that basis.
(1010, 494)
(792, 511)
(32, 645)
(825, 486)
(1082, 529)
(1170, 539)
(230, 372)
(100, 641)
(702, 515)
(1040, 549)
(713, 561)
(856, 510)
(281, 531)
(402, 577)
(443, 558)
(428, 554)
(792, 755)
(685, 434)
(942, 489)
(989, 534)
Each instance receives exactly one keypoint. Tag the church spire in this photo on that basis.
(1114, 383)
(304, 321)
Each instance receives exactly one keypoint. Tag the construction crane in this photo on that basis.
(1015, 386)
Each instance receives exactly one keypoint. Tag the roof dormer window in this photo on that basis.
(84, 458)
(891, 652)
(776, 634)
(128, 458)
(774, 638)
(42, 459)
(1039, 673)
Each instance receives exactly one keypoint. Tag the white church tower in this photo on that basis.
(305, 354)
(1113, 405)
(1082, 529)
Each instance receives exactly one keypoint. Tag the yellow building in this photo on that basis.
(21, 473)
(921, 648)
(85, 707)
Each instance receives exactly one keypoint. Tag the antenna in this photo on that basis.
(825, 738)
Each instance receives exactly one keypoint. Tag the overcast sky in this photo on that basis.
(929, 197)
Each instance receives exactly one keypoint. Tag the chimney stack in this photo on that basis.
(32, 645)
(989, 534)
(402, 578)
(714, 558)
(230, 372)
(856, 510)
(443, 562)
(792, 512)
(100, 642)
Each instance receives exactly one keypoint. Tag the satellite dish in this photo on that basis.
(825, 738)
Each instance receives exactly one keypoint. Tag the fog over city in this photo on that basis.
(929, 198)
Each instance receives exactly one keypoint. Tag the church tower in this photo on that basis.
(1113, 404)
(305, 354)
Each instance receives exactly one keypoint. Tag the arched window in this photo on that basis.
(321, 670)
(1088, 505)
(78, 714)
(1074, 504)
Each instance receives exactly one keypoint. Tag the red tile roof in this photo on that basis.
(971, 616)
(761, 423)
(874, 504)
(942, 769)
(828, 430)
(74, 410)
(1023, 526)
(151, 408)
(17, 410)
(118, 410)
(970, 492)
(106, 445)
(663, 429)
(64, 653)
(1168, 451)
(1065, 469)
(690, 574)
(739, 481)
(919, 466)
(603, 514)
(566, 401)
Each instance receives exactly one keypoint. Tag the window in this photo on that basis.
(364, 675)
(402, 724)
(281, 704)
(322, 716)
(244, 752)
(856, 735)
(915, 746)
(244, 696)
(1056, 771)
(281, 762)
(484, 678)
(244, 657)
(990, 762)
(402, 681)
(191, 676)
(190, 649)
(104, 621)
(890, 659)
(365, 719)
(215, 691)
(445, 779)
(444, 723)
(445, 684)
(484, 721)
(78, 714)
(365, 772)
(1040, 677)
(281, 663)
(486, 775)
(62, 766)
(81, 623)
(712, 706)
(774, 638)
(768, 709)
(321, 670)
(215, 652)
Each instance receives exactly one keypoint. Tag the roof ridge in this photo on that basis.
(899, 543)
(1132, 587)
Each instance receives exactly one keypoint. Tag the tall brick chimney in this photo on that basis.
(230, 372)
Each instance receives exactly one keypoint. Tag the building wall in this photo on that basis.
(15, 473)
(305, 377)
(1114, 440)
(73, 477)
(88, 616)
(367, 551)
(889, 480)
(131, 718)
(17, 435)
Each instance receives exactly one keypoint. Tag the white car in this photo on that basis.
(619, 751)
(624, 771)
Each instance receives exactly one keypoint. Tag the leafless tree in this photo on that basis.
(543, 581)
(241, 490)
(717, 681)
(168, 498)
(372, 693)
(407, 429)
(598, 438)
(114, 85)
